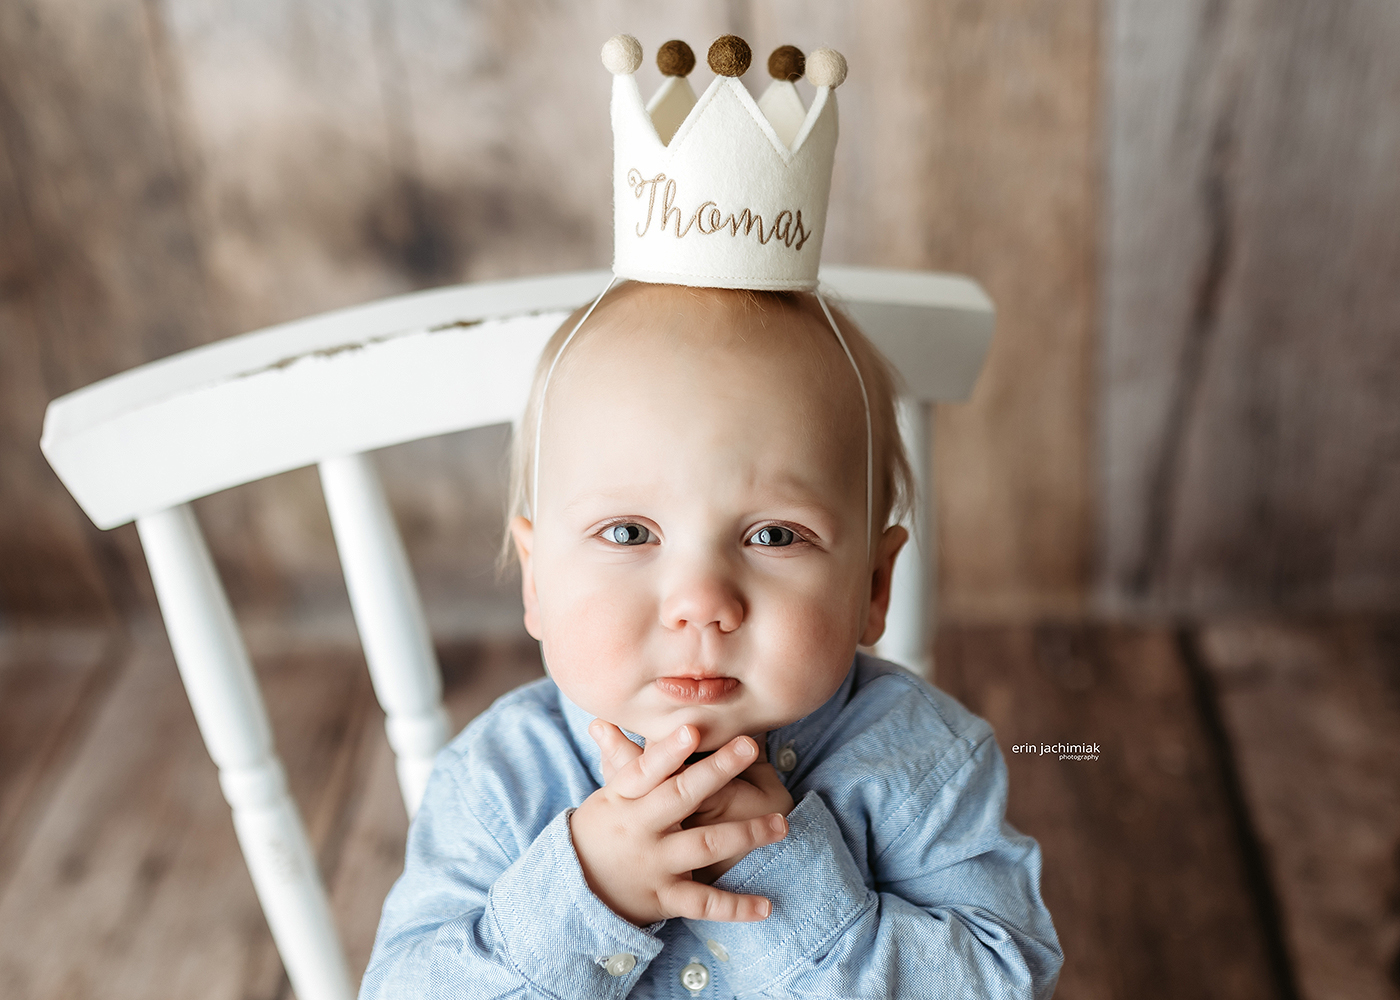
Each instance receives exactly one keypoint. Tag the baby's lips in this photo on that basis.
(700, 690)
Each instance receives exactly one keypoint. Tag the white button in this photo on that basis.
(717, 950)
(787, 759)
(620, 965)
(695, 977)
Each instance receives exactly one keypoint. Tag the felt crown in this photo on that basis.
(721, 191)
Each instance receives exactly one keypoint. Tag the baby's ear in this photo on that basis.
(881, 575)
(523, 532)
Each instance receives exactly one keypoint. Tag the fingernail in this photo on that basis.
(595, 729)
(683, 735)
(746, 748)
(777, 823)
(764, 908)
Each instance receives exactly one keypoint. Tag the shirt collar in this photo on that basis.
(806, 735)
(803, 736)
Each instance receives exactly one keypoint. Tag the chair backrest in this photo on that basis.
(141, 445)
(410, 367)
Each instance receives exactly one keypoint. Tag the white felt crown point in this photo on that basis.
(826, 68)
(622, 55)
(731, 199)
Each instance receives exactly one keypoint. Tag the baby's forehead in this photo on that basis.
(705, 390)
(715, 332)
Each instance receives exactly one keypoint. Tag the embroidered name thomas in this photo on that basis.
(709, 218)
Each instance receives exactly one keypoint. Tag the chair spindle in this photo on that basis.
(390, 618)
(229, 709)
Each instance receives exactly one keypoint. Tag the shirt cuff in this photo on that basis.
(816, 890)
(557, 934)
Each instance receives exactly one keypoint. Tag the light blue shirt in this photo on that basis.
(899, 876)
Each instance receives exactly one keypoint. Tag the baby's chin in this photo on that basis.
(713, 734)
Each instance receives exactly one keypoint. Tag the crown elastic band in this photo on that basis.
(544, 392)
(869, 436)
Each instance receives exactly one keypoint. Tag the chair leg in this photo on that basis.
(228, 706)
(389, 614)
(910, 625)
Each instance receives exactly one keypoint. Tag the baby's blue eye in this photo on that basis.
(774, 535)
(627, 534)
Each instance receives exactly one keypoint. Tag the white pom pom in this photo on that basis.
(826, 68)
(622, 54)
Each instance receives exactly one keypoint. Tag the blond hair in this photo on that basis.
(893, 485)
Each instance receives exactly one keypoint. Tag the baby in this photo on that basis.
(713, 794)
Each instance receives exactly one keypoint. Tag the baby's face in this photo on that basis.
(698, 553)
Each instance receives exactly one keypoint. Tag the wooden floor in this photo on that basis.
(1237, 837)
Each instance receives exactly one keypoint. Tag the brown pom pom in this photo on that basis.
(730, 55)
(787, 63)
(675, 58)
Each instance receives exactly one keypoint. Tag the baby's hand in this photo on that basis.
(757, 792)
(630, 843)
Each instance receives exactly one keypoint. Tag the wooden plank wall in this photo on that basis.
(1008, 189)
(1194, 411)
(176, 173)
(1250, 429)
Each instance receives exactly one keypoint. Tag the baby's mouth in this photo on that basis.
(701, 690)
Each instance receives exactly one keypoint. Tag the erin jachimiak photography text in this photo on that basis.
(1065, 751)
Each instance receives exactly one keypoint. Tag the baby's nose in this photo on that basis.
(701, 599)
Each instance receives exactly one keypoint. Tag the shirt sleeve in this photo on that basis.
(468, 920)
(955, 910)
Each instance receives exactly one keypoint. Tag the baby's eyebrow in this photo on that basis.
(795, 492)
(790, 496)
(592, 495)
(810, 510)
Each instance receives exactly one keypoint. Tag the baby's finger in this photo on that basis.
(701, 846)
(617, 750)
(682, 795)
(719, 801)
(696, 901)
(654, 765)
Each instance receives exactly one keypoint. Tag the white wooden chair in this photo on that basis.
(327, 390)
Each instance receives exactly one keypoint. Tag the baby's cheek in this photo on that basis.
(590, 641)
(823, 615)
(809, 649)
